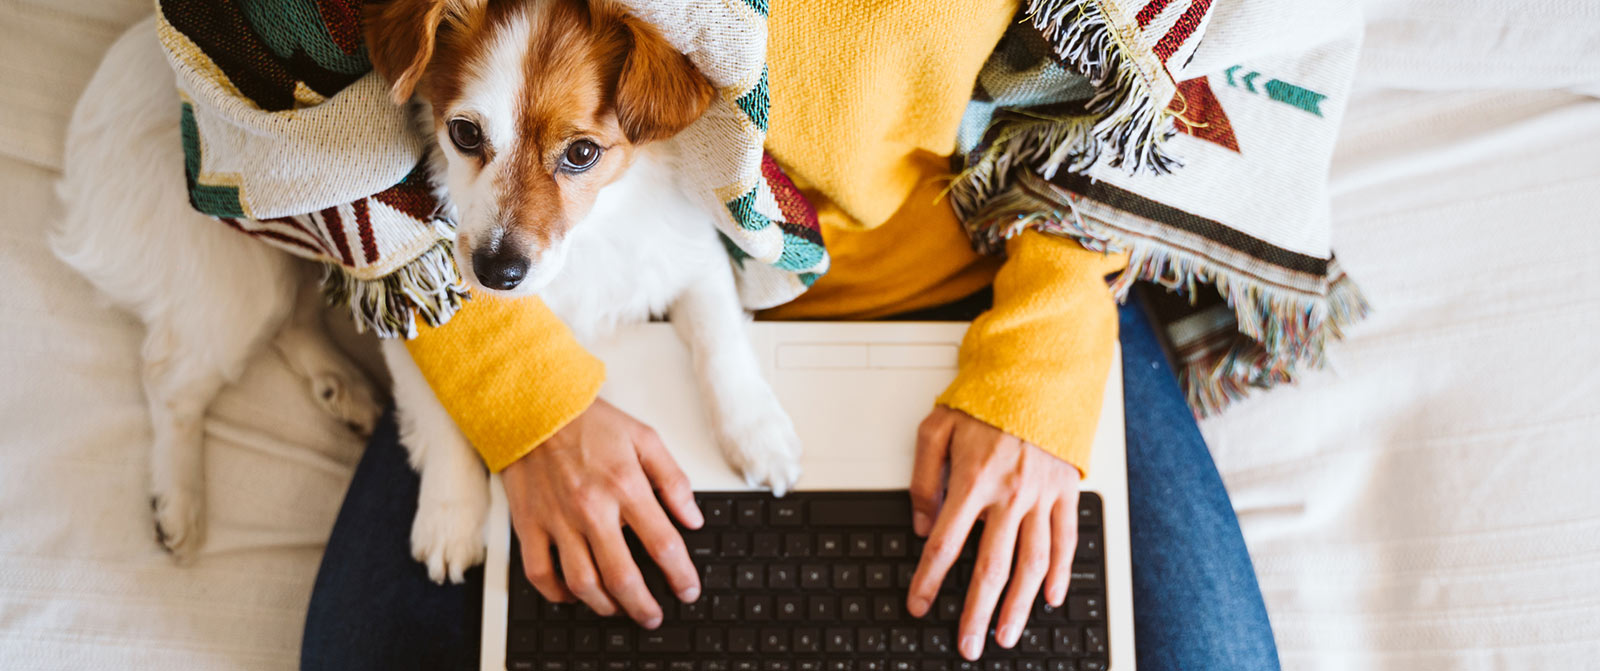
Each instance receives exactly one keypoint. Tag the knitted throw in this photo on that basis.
(1195, 137)
(289, 136)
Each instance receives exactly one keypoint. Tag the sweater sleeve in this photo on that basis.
(509, 373)
(1035, 364)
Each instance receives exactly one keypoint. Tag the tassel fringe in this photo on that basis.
(1122, 125)
(429, 286)
(1279, 333)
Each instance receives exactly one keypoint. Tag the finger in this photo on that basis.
(1064, 542)
(577, 567)
(1033, 561)
(989, 577)
(621, 576)
(669, 480)
(541, 571)
(950, 530)
(927, 471)
(665, 546)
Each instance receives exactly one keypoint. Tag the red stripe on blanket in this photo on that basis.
(305, 234)
(1149, 12)
(335, 227)
(369, 246)
(271, 235)
(793, 204)
(1180, 31)
(1201, 113)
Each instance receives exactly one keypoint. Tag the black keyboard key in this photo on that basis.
(709, 639)
(652, 665)
(694, 611)
(904, 640)
(871, 665)
(1033, 639)
(1091, 665)
(741, 640)
(665, 639)
(777, 665)
(886, 608)
(808, 665)
(586, 639)
(718, 512)
(871, 639)
(789, 608)
(903, 573)
(894, 545)
(774, 641)
(714, 665)
(766, 544)
(1066, 641)
(1062, 665)
(797, 545)
(557, 612)
(846, 576)
(1094, 640)
(786, 513)
(863, 545)
(948, 608)
(853, 608)
(782, 576)
(619, 640)
(522, 640)
(807, 641)
(735, 544)
(902, 665)
(879, 576)
(553, 640)
(716, 577)
(751, 512)
(1030, 665)
(823, 608)
(839, 639)
(746, 665)
(1085, 577)
(681, 665)
(586, 665)
(553, 665)
(814, 576)
(830, 545)
(522, 665)
(998, 665)
(935, 665)
(757, 608)
(1085, 608)
(701, 546)
(725, 607)
(938, 640)
(865, 512)
(838, 665)
(619, 665)
(1088, 548)
(748, 576)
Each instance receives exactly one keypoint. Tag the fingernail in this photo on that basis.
(689, 594)
(918, 606)
(696, 518)
(1007, 636)
(919, 523)
(653, 622)
(971, 646)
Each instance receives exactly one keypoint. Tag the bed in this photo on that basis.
(1430, 502)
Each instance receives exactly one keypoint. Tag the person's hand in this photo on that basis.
(1028, 500)
(578, 489)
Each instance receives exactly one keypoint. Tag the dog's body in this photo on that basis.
(626, 242)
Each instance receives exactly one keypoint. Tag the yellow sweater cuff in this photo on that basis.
(510, 374)
(1035, 364)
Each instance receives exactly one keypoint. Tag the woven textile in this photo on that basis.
(290, 136)
(1196, 138)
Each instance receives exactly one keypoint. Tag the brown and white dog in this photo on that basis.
(554, 121)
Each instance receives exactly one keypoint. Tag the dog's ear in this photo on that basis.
(659, 92)
(400, 37)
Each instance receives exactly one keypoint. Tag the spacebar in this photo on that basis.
(873, 512)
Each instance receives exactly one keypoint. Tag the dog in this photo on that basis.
(554, 125)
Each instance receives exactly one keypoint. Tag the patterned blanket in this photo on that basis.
(290, 137)
(1197, 138)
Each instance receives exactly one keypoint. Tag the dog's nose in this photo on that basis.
(501, 268)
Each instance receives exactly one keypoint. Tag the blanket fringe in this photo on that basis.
(1278, 332)
(429, 286)
(1122, 125)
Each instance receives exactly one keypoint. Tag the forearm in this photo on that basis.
(1035, 364)
(510, 374)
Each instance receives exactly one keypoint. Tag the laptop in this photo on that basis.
(814, 581)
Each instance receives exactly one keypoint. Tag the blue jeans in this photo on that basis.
(1196, 602)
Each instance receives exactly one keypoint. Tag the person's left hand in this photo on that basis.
(1028, 500)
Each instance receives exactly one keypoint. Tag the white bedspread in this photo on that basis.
(1430, 504)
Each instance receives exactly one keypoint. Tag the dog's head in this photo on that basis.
(536, 105)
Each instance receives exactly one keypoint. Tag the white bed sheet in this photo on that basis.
(1430, 504)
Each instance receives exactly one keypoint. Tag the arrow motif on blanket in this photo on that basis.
(1278, 90)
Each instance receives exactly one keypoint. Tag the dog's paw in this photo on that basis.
(766, 451)
(177, 513)
(348, 397)
(447, 537)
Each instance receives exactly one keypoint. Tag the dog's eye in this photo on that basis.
(467, 136)
(581, 156)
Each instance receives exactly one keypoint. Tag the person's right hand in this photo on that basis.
(578, 489)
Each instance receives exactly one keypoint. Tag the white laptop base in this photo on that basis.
(856, 392)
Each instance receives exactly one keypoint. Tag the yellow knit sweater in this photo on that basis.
(867, 97)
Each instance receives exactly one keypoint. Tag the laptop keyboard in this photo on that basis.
(814, 581)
